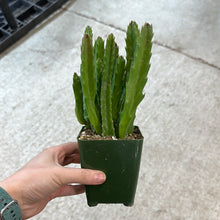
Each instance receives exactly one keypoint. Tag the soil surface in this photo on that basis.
(88, 134)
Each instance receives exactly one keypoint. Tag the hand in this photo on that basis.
(45, 178)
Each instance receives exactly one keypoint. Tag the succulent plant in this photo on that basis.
(110, 88)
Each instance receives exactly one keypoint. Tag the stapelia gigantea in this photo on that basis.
(110, 88)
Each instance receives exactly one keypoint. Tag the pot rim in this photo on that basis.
(109, 140)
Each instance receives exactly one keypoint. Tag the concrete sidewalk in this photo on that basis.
(179, 117)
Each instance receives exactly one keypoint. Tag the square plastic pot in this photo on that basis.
(120, 161)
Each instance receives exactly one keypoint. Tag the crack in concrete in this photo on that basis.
(187, 55)
(155, 42)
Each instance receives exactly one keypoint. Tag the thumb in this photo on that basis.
(83, 176)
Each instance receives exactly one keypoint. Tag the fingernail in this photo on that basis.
(100, 177)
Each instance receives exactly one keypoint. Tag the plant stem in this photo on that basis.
(106, 102)
(89, 81)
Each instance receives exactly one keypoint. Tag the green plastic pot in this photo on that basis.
(120, 161)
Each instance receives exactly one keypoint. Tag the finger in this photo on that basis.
(71, 159)
(68, 175)
(68, 190)
(65, 150)
(68, 148)
(55, 154)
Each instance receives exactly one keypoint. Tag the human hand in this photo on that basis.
(45, 178)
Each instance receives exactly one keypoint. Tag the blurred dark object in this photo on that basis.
(18, 17)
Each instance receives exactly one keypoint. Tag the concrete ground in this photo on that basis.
(179, 117)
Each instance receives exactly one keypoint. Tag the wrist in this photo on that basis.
(9, 208)
(12, 188)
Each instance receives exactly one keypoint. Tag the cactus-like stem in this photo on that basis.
(86, 117)
(106, 102)
(99, 69)
(88, 31)
(117, 91)
(115, 57)
(77, 88)
(131, 125)
(89, 81)
(132, 38)
(137, 79)
(98, 62)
